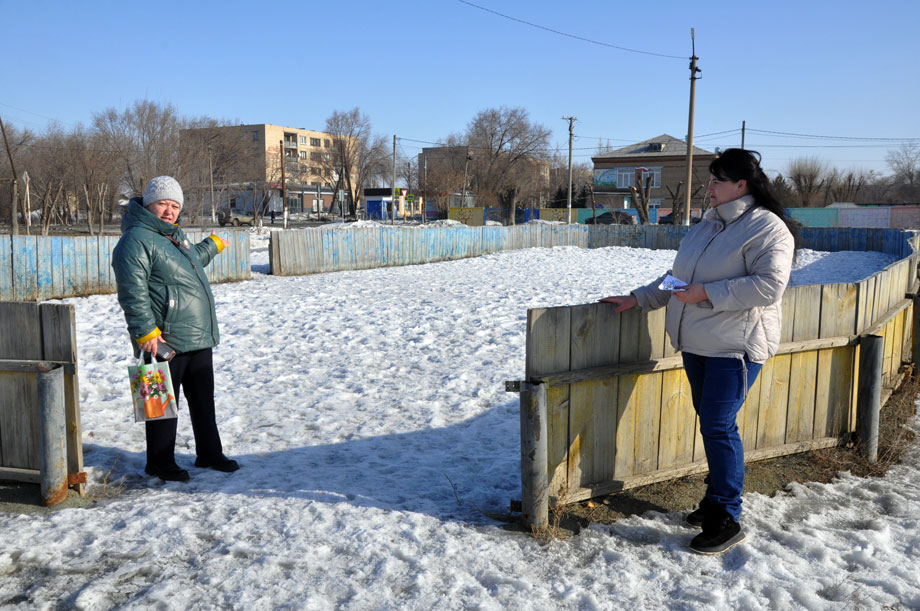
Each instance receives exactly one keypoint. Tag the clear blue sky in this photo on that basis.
(422, 69)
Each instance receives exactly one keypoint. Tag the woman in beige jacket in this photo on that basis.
(725, 322)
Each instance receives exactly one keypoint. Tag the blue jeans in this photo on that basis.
(718, 387)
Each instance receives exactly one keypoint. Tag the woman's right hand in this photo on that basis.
(151, 344)
(623, 302)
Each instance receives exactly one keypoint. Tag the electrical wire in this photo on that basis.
(560, 33)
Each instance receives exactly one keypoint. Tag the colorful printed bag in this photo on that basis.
(152, 391)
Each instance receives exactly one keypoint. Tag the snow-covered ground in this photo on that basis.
(377, 444)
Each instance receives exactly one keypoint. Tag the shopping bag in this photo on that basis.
(152, 391)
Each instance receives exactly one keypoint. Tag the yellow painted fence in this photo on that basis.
(619, 411)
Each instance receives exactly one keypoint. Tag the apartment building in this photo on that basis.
(249, 163)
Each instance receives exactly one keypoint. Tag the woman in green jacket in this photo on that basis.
(166, 298)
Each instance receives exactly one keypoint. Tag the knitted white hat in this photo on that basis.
(163, 187)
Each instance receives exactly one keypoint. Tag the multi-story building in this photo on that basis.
(249, 162)
(664, 159)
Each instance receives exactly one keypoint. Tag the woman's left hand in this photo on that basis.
(695, 293)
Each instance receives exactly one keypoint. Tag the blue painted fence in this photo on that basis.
(35, 268)
(316, 250)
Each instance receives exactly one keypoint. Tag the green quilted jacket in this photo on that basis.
(162, 286)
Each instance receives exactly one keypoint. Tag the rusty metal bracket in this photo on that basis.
(76, 478)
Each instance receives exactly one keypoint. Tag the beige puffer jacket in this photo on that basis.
(742, 254)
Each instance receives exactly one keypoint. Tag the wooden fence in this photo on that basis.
(317, 250)
(32, 334)
(34, 268)
(619, 412)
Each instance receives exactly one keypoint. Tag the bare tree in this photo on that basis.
(905, 164)
(509, 155)
(845, 186)
(145, 138)
(808, 177)
(360, 158)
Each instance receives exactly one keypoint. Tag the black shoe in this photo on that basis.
(720, 532)
(173, 473)
(218, 463)
(696, 517)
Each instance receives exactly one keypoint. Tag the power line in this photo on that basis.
(583, 39)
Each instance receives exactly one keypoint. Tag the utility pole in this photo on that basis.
(211, 175)
(283, 189)
(569, 200)
(466, 166)
(393, 217)
(693, 77)
(742, 132)
(425, 196)
(14, 220)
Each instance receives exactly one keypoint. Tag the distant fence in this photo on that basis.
(618, 407)
(894, 217)
(34, 335)
(34, 268)
(310, 251)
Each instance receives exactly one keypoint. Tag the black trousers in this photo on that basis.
(194, 372)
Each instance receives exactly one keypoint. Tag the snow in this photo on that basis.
(377, 445)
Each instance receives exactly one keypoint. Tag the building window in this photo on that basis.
(327, 143)
(316, 157)
(626, 177)
(316, 171)
(303, 154)
(327, 156)
(255, 136)
(303, 139)
(314, 142)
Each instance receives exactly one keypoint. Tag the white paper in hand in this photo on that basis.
(670, 283)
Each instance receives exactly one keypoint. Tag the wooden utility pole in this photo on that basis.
(568, 206)
(393, 194)
(743, 126)
(211, 176)
(14, 220)
(284, 206)
(693, 77)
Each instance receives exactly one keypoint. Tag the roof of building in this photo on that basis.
(659, 146)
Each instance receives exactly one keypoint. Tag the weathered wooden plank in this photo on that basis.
(19, 420)
(627, 420)
(677, 422)
(6, 268)
(59, 343)
(648, 422)
(592, 432)
(803, 367)
(43, 268)
(774, 400)
(25, 272)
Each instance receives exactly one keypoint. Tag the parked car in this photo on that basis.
(234, 217)
(612, 217)
(667, 219)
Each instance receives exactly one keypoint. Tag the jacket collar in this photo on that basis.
(730, 212)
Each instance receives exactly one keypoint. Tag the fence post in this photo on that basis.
(52, 433)
(534, 482)
(915, 337)
(869, 395)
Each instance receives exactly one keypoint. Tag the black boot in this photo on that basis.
(218, 463)
(171, 473)
(720, 532)
(696, 517)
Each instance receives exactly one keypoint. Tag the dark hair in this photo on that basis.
(741, 164)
